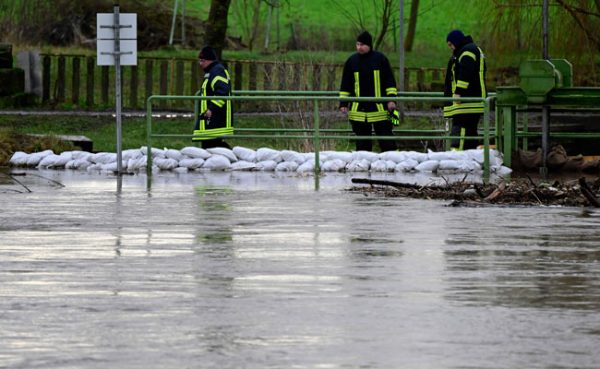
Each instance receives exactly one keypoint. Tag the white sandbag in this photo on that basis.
(19, 158)
(134, 165)
(344, 156)
(428, 166)
(173, 154)
(500, 170)
(156, 153)
(379, 166)
(109, 167)
(191, 163)
(103, 158)
(395, 156)
(54, 161)
(447, 164)
(418, 156)
(468, 166)
(83, 155)
(361, 165)
(243, 165)
(407, 165)
(333, 165)
(195, 152)
(224, 152)
(264, 154)
(292, 156)
(94, 167)
(287, 166)
(180, 170)
(165, 163)
(365, 155)
(34, 159)
(245, 154)
(439, 155)
(78, 164)
(130, 154)
(266, 165)
(217, 162)
(306, 167)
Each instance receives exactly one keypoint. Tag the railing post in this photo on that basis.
(149, 136)
(89, 84)
(486, 140)
(133, 87)
(316, 136)
(164, 72)
(46, 77)
(76, 80)
(60, 81)
(149, 71)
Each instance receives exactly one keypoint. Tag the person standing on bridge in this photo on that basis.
(216, 118)
(367, 73)
(465, 77)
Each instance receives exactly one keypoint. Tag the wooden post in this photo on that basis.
(179, 78)
(297, 77)
(60, 82)
(316, 77)
(163, 87)
(104, 85)
(133, 87)
(252, 81)
(46, 78)
(76, 80)
(89, 83)
(195, 85)
(331, 80)
(282, 76)
(237, 79)
(267, 76)
(420, 79)
(148, 78)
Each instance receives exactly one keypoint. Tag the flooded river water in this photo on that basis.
(258, 270)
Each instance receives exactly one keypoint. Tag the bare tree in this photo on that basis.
(412, 25)
(216, 25)
(384, 11)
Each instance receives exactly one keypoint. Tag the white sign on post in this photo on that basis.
(105, 33)
(117, 45)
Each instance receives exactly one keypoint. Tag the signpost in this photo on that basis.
(117, 45)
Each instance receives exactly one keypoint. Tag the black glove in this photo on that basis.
(394, 116)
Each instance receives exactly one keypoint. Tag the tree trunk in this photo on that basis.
(412, 25)
(216, 25)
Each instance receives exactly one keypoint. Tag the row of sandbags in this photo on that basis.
(263, 159)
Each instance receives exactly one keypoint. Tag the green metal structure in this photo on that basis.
(546, 85)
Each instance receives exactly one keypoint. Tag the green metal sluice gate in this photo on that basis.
(317, 134)
(546, 85)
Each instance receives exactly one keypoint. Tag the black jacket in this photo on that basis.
(368, 75)
(465, 75)
(217, 82)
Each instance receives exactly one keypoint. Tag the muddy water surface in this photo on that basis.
(255, 270)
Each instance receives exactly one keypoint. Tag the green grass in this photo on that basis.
(102, 131)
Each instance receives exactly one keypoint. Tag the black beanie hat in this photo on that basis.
(456, 37)
(365, 38)
(207, 53)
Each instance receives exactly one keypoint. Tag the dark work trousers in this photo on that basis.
(383, 128)
(215, 142)
(464, 125)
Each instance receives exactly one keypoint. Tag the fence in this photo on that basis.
(315, 132)
(76, 80)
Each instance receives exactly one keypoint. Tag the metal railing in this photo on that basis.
(317, 133)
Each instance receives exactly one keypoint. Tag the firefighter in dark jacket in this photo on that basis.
(216, 115)
(367, 73)
(465, 77)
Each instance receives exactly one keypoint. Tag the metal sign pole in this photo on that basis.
(118, 88)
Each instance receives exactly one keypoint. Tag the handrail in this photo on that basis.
(316, 129)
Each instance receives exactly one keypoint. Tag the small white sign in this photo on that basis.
(125, 19)
(105, 48)
(105, 44)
